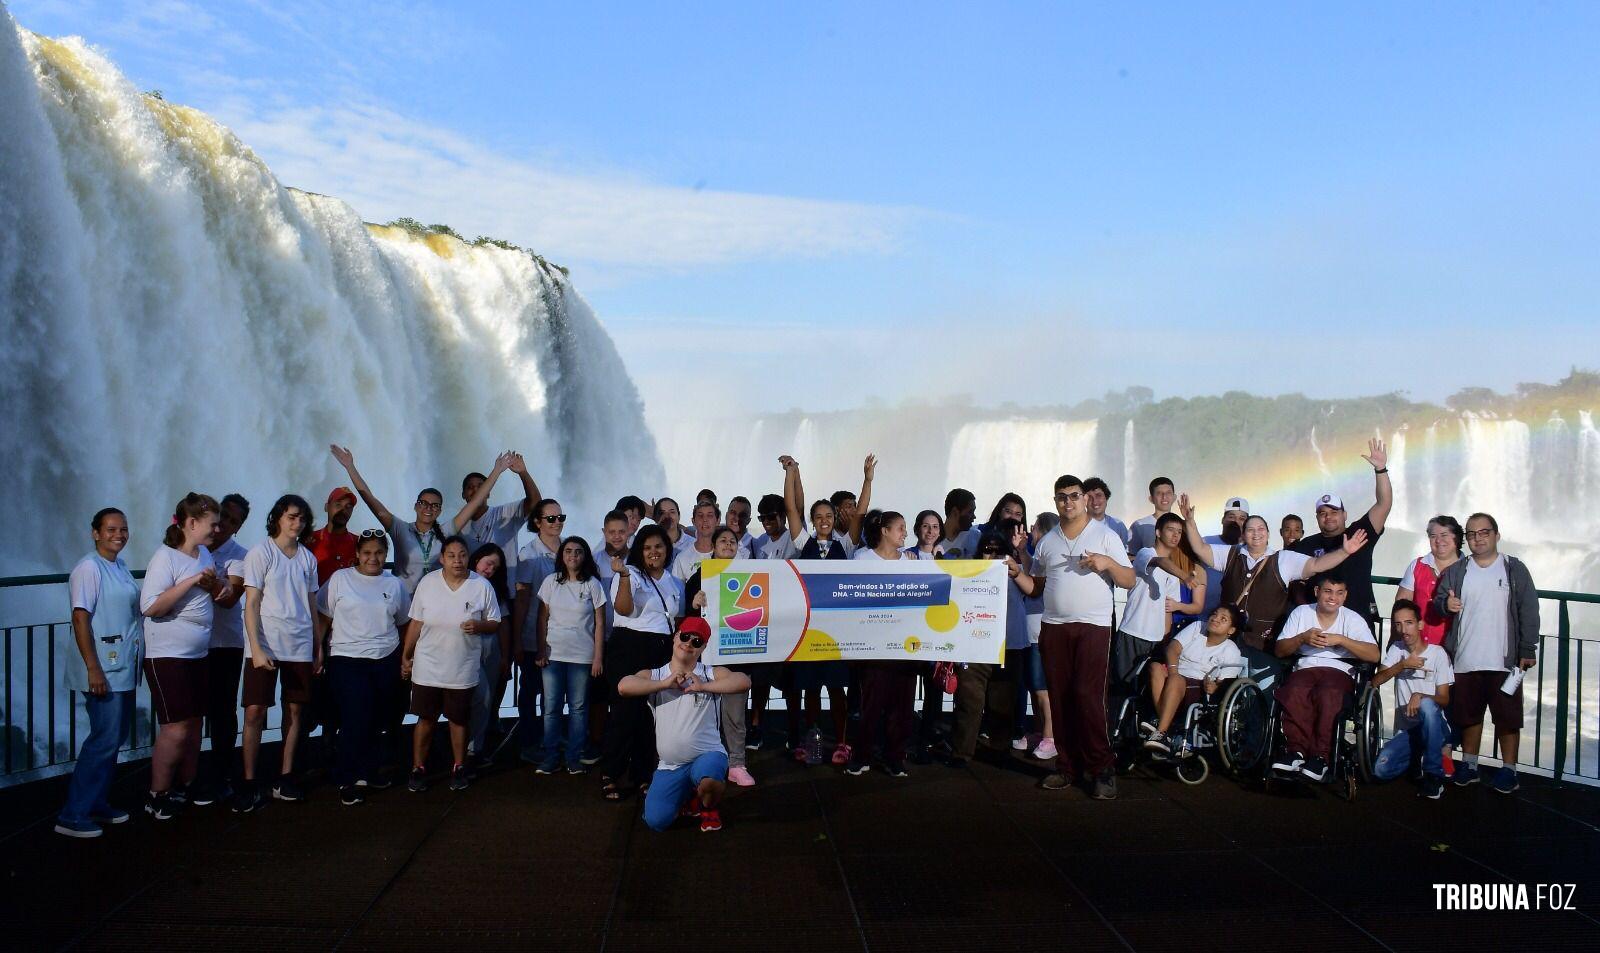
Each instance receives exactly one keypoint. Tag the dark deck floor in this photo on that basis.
(970, 859)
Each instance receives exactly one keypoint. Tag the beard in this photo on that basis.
(1232, 533)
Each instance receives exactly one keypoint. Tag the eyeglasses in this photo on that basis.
(991, 551)
(767, 517)
(693, 640)
(1479, 533)
(555, 519)
(424, 505)
(372, 534)
(1068, 497)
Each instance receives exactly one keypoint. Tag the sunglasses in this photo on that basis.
(693, 640)
(372, 534)
(991, 551)
(554, 519)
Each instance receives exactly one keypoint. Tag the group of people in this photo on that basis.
(311, 618)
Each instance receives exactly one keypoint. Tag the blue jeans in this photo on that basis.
(1399, 752)
(110, 720)
(670, 789)
(359, 686)
(566, 682)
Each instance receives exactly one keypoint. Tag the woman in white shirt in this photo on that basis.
(180, 585)
(368, 607)
(572, 632)
(648, 603)
(452, 610)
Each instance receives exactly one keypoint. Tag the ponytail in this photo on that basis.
(192, 506)
(872, 526)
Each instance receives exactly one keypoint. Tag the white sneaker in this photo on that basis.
(1289, 763)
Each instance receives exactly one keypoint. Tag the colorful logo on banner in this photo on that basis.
(745, 612)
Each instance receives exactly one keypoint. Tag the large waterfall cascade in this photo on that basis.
(176, 319)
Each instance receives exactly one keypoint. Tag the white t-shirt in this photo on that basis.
(1072, 594)
(656, 602)
(1436, 671)
(1199, 660)
(288, 584)
(570, 630)
(1145, 616)
(227, 625)
(498, 525)
(534, 566)
(964, 546)
(912, 552)
(687, 560)
(686, 724)
(780, 548)
(1346, 623)
(447, 656)
(1291, 565)
(1485, 619)
(185, 631)
(368, 612)
(865, 553)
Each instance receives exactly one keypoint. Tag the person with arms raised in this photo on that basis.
(481, 523)
(1075, 568)
(108, 630)
(177, 599)
(416, 544)
(1493, 640)
(285, 636)
(1335, 527)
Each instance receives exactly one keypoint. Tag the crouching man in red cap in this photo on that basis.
(684, 698)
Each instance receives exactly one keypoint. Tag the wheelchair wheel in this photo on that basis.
(1243, 726)
(1369, 733)
(1193, 770)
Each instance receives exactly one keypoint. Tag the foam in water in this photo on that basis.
(176, 319)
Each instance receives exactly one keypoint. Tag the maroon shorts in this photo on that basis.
(1475, 691)
(178, 689)
(428, 702)
(260, 684)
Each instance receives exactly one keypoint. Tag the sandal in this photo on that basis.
(612, 791)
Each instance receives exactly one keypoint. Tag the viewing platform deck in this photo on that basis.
(976, 858)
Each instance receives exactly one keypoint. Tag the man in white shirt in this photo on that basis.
(1143, 531)
(1326, 638)
(705, 518)
(1075, 567)
(1493, 638)
(775, 541)
(1422, 677)
(1099, 495)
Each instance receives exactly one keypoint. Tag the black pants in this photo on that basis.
(629, 751)
(364, 690)
(222, 709)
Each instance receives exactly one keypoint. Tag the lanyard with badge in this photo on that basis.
(425, 547)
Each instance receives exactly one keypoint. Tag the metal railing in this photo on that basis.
(40, 732)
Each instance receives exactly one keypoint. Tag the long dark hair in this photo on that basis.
(192, 506)
(587, 569)
(497, 582)
(636, 554)
(281, 507)
(995, 514)
(916, 527)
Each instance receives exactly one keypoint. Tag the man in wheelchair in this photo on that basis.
(1422, 678)
(1197, 658)
(1328, 639)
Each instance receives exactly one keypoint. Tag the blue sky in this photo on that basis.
(1031, 202)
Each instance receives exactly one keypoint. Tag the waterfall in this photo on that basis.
(1021, 456)
(177, 319)
(1398, 475)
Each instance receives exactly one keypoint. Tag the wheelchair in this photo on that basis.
(1194, 736)
(1250, 733)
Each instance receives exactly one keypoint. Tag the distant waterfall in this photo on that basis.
(176, 319)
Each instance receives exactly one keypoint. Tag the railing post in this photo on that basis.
(1563, 656)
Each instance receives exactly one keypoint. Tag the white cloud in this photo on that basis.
(388, 165)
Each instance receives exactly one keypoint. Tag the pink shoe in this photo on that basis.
(1046, 751)
(841, 755)
(741, 776)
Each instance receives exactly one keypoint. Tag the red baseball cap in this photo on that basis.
(340, 491)
(694, 625)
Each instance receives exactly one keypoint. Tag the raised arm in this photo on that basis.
(501, 463)
(530, 489)
(348, 461)
(1378, 456)
(864, 501)
(1352, 544)
(792, 504)
(1191, 529)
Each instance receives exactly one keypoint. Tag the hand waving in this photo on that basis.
(1376, 454)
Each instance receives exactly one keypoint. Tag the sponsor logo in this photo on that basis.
(980, 633)
(745, 606)
(971, 615)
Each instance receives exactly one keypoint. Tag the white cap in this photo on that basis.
(1236, 503)
(1330, 499)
